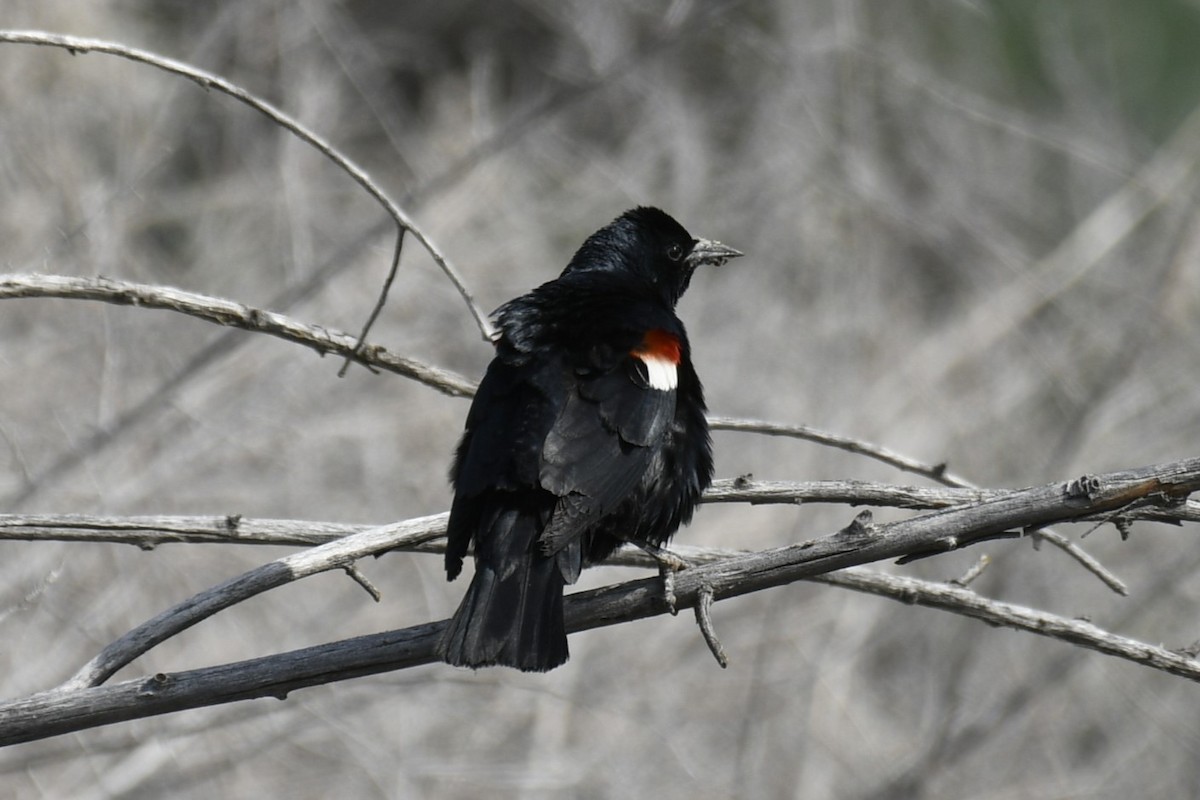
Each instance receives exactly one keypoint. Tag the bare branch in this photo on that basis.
(65, 710)
(148, 532)
(860, 543)
(227, 312)
(338, 554)
(967, 603)
(208, 80)
(937, 472)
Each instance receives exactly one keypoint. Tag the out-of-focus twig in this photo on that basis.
(208, 80)
(1172, 168)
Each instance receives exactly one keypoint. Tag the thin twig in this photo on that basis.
(704, 620)
(362, 580)
(937, 472)
(1086, 560)
(383, 295)
(972, 574)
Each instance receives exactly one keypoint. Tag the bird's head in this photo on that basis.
(653, 250)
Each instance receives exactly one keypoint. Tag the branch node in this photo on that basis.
(1190, 650)
(1084, 487)
(1124, 527)
(1035, 536)
(861, 527)
(704, 601)
(154, 684)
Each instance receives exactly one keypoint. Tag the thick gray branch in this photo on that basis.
(65, 710)
(337, 554)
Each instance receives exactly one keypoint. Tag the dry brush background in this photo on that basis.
(972, 236)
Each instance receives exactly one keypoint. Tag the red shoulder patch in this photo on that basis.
(659, 344)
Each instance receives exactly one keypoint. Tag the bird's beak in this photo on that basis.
(706, 251)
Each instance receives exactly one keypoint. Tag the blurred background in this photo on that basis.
(972, 236)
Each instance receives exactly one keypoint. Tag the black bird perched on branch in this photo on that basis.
(587, 431)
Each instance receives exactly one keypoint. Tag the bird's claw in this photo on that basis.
(668, 565)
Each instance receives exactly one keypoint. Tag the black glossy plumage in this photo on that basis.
(569, 449)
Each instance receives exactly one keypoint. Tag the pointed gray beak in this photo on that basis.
(706, 251)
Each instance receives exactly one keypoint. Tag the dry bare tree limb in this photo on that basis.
(207, 80)
(227, 312)
(1009, 615)
(338, 554)
(64, 710)
(238, 315)
(148, 532)
(861, 542)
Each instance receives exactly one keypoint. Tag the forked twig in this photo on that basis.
(937, 472)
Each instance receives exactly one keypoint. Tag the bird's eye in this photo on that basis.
(675, 252)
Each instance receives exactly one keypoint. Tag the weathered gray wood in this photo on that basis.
(76, 707)
(337, 554)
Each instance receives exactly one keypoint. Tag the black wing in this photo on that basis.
(579, 433)
(596, 454)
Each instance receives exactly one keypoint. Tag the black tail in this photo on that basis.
(512, 613)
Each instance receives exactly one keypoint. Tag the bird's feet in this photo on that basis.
(668, 564)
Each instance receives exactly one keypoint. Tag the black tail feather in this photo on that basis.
(512, 613)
